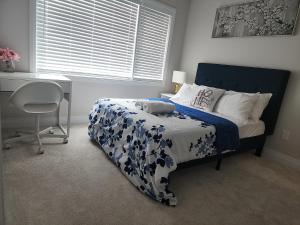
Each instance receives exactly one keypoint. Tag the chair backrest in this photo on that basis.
(37, 92)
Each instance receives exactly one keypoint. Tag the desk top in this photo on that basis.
(33, 76)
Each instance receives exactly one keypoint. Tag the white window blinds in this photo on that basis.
(102, 38)
(151, 44)
(86, 36)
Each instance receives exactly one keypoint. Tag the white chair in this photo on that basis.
(39, 97)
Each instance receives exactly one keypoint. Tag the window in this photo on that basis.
(101, 38)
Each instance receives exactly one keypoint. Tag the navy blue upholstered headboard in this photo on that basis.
(248, 79)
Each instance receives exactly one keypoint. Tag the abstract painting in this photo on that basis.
(256, 18)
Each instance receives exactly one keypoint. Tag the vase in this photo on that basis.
(9, 66)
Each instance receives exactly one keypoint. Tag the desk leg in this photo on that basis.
(69, 114)
(57, 116)
(66, 132)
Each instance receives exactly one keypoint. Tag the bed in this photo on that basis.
(147, 148)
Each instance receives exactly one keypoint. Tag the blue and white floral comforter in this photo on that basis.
(148, 147)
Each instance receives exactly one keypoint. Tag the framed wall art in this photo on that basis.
(256, 18)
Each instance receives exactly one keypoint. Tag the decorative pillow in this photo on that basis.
(206, 97)
(260, 104)
(236, 105)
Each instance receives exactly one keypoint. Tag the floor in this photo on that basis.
(75, 184)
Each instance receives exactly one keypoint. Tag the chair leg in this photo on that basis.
(7, 143)
(37, 133)
(17, 139)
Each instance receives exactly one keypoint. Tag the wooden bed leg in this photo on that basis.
(219, 161)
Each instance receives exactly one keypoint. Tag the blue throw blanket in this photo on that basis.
(227, 133)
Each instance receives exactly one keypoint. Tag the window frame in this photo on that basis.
(98, 78)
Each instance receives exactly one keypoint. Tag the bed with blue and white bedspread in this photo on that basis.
(147, 147)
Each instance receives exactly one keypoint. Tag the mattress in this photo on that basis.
(247, 129)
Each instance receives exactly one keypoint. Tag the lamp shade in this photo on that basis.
(179, 77)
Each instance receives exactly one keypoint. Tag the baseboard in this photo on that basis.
(79, 119)
(282, 158)
(24, 122)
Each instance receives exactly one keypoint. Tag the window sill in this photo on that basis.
(104, 80)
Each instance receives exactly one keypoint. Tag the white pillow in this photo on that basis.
(206, 97)
(260, 104)
(185, 94)
(236, 105)
(235, 92)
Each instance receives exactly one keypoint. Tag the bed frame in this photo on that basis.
(251, 80)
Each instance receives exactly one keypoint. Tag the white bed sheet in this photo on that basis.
(248, 128)
(251, 129)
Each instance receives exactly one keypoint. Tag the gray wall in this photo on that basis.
(1, 181)
(14, 33)
(274, 52)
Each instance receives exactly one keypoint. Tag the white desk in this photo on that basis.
(10, 81)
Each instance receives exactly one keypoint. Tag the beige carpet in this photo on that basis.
(75, 184)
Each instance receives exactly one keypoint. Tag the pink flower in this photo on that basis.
(7, 54)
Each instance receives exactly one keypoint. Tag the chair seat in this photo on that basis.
(40, 107)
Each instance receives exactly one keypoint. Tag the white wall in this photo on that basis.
(1, 184)
(14, 33)
(270, 52)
